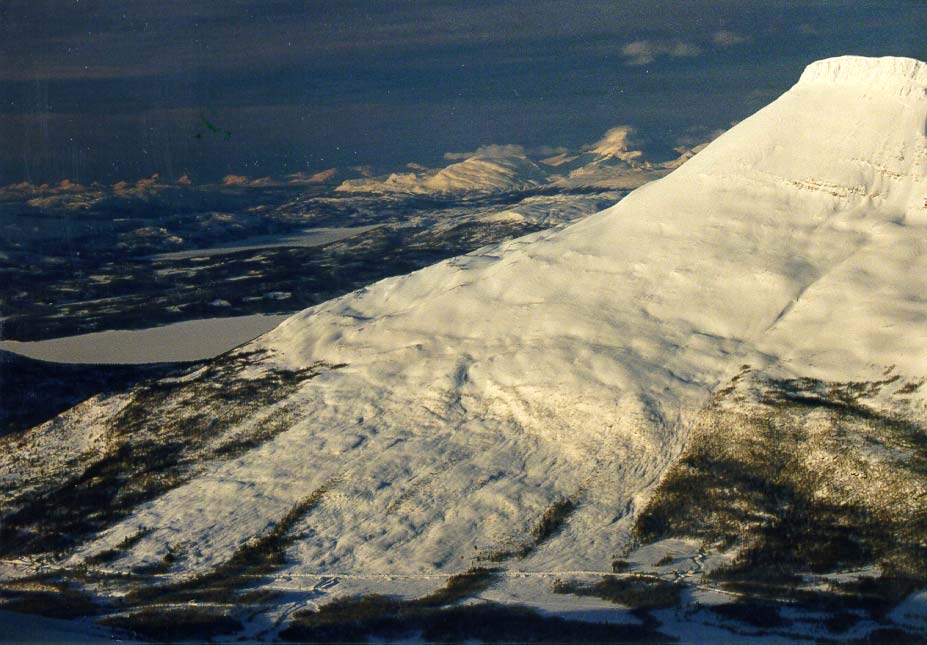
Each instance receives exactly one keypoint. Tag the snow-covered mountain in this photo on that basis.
(567, 364)
(610, 163)
(480, 173)
(518, 405)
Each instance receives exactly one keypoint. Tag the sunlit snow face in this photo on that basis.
(119, 90)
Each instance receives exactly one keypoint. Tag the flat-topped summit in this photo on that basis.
(905, 74)
(851, 131)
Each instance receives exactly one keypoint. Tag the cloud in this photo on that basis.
(490, 151)
(725, 38)
(643, 52)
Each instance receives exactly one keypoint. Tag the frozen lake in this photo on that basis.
(184, 341)
(308, 238)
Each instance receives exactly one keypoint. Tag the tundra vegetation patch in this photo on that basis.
(162, 436)
(801, 480)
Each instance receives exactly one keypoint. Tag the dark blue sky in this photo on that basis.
(119, 89)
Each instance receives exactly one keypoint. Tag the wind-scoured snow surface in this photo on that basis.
(481, 391)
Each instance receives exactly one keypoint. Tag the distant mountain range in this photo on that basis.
(610, 163)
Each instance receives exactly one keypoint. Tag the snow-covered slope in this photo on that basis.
(480, 173)
(482, 392)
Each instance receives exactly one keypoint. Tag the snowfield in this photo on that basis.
(552, 380)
